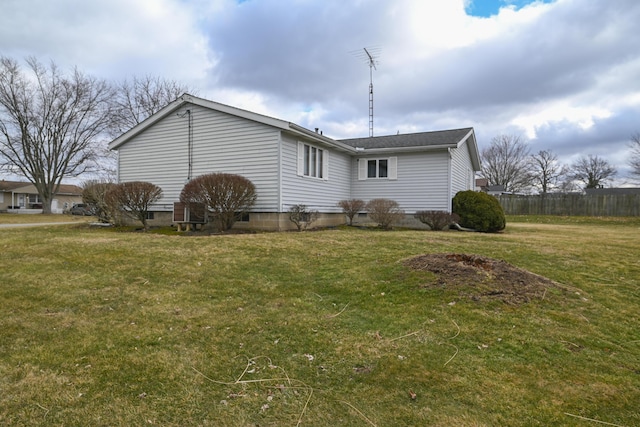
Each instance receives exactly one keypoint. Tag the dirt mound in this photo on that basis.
(481, 278)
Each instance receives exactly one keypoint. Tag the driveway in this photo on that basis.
(36, 224)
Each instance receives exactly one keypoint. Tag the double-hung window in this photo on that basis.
(378, 168)
(383, 168)
(312, 161)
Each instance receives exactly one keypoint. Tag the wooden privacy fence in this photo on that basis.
(572, 204)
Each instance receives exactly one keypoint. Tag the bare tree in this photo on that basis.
(593, 171)
(141, 97)
(133, 199)
(634, 158)
(227, 196)
(506, 162)
(546, 171)
(50, 124)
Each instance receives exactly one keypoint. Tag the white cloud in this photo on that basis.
(111, 38)
(563, 73)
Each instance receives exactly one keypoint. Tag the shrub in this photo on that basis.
(479, 211)
(351, 208)
(302, 217)
(133, 199)
(436, 220)
(94, 196)
(384, 212)
(226, 196)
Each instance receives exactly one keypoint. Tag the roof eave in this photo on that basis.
(360, 150)
(473, 149)
(299, 130)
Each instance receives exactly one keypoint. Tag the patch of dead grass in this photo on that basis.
(483, 278)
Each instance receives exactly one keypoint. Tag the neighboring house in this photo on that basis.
(22, 197)
(482, 184)
(496, 190)
(291, 165)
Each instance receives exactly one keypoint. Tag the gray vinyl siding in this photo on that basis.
(422, 182)
(462, 175)
(221, 143)
(315, 193)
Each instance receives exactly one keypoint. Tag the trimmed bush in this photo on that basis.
(384, 212)
(436, 220)
(94, 195)
(351, 208)
(133, 199)
(227, 196)
(479, 211)
(302, 217)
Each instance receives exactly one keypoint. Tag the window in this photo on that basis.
(378, 168)
(312, 161)
(34, 198)
(242, 216)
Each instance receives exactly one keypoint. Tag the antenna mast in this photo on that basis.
(372, 65)
(370, 55)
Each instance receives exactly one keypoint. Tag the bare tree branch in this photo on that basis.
(634, 157)
(140, 98)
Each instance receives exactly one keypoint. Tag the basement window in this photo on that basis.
(242, 216)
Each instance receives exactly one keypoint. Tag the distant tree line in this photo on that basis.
(508, 162)
(55, 125)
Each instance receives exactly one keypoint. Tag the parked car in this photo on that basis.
(81, 209)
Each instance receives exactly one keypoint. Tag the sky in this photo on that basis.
(563, 74)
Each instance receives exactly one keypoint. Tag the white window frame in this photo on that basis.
(313, 161)
(392, 168)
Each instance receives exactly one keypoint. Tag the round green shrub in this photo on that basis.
(479, 211)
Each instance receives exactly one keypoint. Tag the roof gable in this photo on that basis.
(442, 139)
(186, 99)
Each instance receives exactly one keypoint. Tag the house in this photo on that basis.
(482, 184)
(292, 165)
(23, 197)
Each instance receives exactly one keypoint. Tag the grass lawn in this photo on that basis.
(107, 328)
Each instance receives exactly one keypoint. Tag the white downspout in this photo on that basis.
(449, 181)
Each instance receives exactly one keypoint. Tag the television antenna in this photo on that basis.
(370, 55)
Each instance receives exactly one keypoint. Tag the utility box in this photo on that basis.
(189, 217)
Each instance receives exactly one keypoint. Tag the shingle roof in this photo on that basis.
(11, 185)
(67, 189)
(422, 139)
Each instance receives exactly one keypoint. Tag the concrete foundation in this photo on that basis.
(271, 221)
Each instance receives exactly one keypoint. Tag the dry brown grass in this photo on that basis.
(101, 327)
